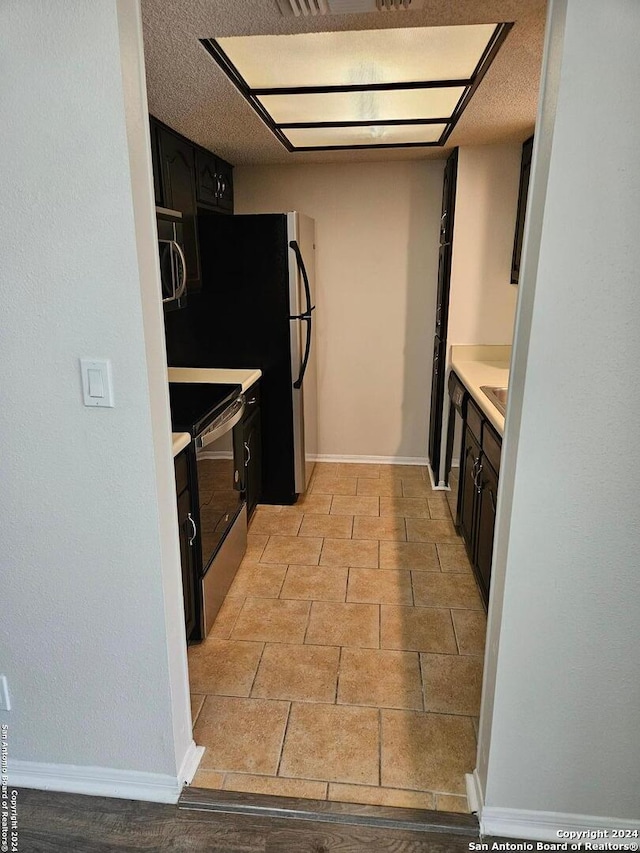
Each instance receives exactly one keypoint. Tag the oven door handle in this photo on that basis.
(234, 416)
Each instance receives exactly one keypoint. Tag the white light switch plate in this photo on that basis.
(5, 703)
(97, 385)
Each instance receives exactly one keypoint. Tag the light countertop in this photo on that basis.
(180, 441)
(216, 375)
(483, 365)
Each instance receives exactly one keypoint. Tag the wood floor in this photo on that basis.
(51, 822)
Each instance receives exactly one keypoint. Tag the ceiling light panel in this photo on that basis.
(363, 105)
(387, 87)
(348, 137)
(360, 57)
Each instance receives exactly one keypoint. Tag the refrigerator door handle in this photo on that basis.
(306, 315)
(303, 367)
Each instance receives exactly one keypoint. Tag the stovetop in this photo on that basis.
(194, 405)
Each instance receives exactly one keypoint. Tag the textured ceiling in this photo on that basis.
(190, 93)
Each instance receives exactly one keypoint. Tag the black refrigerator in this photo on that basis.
(257, 309)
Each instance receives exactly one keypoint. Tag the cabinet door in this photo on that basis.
(486, 523)
(467, 490)
(187, 560)
(207, 178)
(225, 174)
(179, 186)
(252, 440)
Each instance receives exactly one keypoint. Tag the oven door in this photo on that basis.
(220, 482)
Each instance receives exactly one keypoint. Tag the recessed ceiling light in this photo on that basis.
(361, 89)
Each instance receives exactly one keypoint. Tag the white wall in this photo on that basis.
(561, 734)
(92, 636)
(377, 262)
(482, 301)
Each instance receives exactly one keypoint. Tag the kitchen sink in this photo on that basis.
(498, 396)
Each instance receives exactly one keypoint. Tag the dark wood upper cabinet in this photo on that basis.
(214, 181)
(225, 173)
(177, 165)
(525, 172)
(186, 177)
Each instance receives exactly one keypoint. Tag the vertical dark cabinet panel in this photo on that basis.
(478, 490)
(187, 529)
(467, 494)
(487, 498)
(525, 172)
(178, 183)
(442, 313)
(155, 162)
(252, 441)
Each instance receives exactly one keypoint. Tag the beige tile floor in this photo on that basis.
(346, 662)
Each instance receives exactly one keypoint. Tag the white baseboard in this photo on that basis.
(540, 826)
(105, 781)
(475, 799)
(545, 826)
(441, 486)
(190, 764)
(377, 460)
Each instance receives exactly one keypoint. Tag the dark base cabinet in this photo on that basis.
(478, 490)
(248, 447)
(188, 533)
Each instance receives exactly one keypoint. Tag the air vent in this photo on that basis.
(304, 8)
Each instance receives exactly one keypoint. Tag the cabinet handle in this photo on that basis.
(218, 193)
(493, 500)
(476, 478)
(194, 528)
(248, 450)
(252, 401)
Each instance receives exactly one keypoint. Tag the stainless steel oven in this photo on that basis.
(223, 514)
(212, 414)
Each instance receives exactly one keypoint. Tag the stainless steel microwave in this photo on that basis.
(173, 265)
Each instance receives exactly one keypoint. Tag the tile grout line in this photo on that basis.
(422, 686)
(284, 579)
(235, 621)
(338, 676)
(380, 747)
(284, 735)
(255, 674)
(455, 635)
(306, 629)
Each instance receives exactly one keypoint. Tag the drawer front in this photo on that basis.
(252, 396)
(457, 391)
(474, 419)
(492, 446)
(182, 472)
